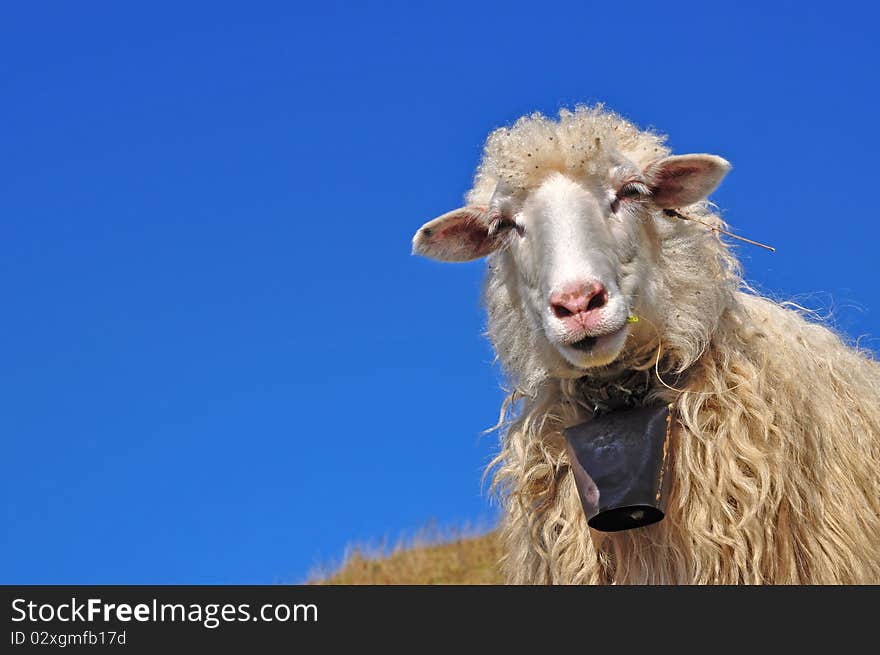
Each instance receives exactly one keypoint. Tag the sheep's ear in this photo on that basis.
(685, 179)
(460, 236)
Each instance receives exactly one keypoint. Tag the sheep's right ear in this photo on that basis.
(682, 180)
(461, 235)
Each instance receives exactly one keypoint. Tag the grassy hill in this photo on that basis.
(424, 560)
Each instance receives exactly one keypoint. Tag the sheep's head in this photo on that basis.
(571, 214)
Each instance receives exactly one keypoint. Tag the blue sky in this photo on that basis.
(219, 362)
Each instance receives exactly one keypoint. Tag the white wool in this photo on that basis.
(776, 453)
(580, 142)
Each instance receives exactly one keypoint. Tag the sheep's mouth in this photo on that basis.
(584, 345)
(595, 349)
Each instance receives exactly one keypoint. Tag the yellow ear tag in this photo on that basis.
(632, 319)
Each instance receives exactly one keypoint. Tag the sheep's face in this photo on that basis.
(574, 251)
(580, 248)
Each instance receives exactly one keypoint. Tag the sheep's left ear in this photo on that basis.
(682, 180)
(461, 235)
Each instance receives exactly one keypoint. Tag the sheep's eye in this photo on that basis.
(502, 223)
(633, 190)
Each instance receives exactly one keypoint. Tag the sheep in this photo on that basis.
(597, 287)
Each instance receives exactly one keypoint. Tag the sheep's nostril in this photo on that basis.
(578, 299)
(560, 311)
(597, 301)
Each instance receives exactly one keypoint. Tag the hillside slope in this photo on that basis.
(463, 560)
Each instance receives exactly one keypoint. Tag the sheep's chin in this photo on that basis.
(604, 351)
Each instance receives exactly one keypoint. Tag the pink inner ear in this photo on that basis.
(469, 230)
(672, 173)
(466, 228)
(682, 180)
(667, 186)
(460, 235)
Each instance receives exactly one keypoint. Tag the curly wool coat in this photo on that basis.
(776, 440)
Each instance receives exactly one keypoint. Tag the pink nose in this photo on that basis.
(578, 299)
